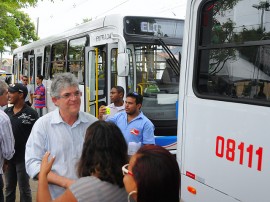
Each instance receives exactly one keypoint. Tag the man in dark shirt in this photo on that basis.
(22, 119)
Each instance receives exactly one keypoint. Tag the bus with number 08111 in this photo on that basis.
(141, 54)
(223, 144)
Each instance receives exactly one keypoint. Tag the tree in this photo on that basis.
(20, 3)
(15, 25)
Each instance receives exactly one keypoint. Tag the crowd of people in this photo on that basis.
(77, 157)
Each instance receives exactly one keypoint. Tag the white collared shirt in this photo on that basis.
(65, 142)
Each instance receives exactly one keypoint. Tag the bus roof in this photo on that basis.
(110, 21)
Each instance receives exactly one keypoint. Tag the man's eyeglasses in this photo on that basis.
(25, 79)
(126, 171)
(67, 96)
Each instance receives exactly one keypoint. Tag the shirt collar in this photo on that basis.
(140, 116)
(56, 118)
(10, 109)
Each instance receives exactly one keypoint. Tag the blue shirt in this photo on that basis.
(65, 142)
(140, 129)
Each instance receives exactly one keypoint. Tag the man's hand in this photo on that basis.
(5, 166)
(101, 112)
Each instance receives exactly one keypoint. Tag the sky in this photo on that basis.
(60, 15)
(65, 14)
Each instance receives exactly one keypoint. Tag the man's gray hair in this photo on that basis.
(62, 81)
(3, 87)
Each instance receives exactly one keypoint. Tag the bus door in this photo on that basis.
(95, 79)
(31, 71)
(18, 70)
(112, 79)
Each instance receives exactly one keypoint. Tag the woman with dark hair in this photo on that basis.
(152, 175)
(101, 180)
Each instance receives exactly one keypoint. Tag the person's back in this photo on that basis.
(93, 188)
(152, 175)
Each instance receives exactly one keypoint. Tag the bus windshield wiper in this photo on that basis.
(173, 61)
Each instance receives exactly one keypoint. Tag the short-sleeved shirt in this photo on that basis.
(140, 129)
(93, 189)
(30, 92)
(40, 90)
(114, 110)
(22, 123)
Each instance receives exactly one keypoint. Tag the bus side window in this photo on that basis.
(227, 69)
(76, 57)
(58, 58)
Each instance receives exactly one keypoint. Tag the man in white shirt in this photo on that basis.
(61, 132)
(30, 91)
(117, 94)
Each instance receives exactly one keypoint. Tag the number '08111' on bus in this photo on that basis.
(140, 54)
(223, 124)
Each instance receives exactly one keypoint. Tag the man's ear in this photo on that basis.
(54, 99)
(139, 106)
(22, 95)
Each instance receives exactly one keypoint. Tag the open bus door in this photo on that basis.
(92, 66)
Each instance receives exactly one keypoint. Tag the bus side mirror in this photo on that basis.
(122, 57)
(122, 64)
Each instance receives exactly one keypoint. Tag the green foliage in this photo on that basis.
(26, 28)
(15, 25)
(84, 21)
(224, 5)
(221, 33)
(20, 3)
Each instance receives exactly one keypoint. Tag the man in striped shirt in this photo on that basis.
(6, 135)
(39, 95)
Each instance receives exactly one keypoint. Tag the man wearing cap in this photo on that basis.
(22, 119)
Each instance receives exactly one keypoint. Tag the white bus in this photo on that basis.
(138, 53)
(223, 144)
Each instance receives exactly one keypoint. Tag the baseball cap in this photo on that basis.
(18, 87)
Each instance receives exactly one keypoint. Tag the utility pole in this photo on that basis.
(37, 26)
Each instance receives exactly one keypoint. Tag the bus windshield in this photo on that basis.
(153, 76)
